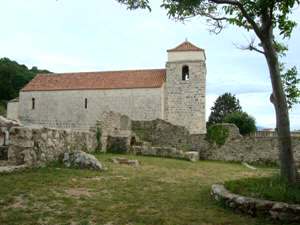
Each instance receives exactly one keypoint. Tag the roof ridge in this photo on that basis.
(97, 72)
(185, 46)
(147, 78)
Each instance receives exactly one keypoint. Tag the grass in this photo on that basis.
(269, 188)
(159, 192)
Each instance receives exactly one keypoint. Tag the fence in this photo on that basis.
(272, 134)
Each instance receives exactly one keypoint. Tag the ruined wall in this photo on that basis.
(66, 109)
(162, 133)
(236, 148)
(115, 131)
(36, 146)
(249, 149)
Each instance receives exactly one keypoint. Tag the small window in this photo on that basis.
(185, 73)
(85, 103)
(33, 103)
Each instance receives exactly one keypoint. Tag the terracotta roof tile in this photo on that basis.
(185, 46)
(98, 80)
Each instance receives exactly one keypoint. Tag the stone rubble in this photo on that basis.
(132, 162)
(82, 160)
(4, 122)
(11, 169)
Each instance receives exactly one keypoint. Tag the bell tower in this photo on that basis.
(185, 87)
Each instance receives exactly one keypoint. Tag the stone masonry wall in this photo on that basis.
(66, 109)
(185, 99)
(249, 149)
(236, 148)
(36, 146)
(163, 134)
(114, 126)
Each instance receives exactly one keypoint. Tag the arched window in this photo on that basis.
(185, 73)
(85, 103)
(33, 103)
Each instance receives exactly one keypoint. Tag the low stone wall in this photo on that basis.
(248, 149)
(168, 152)
(276, 210)
(36, 146)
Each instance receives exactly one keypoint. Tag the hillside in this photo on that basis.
(13, 77)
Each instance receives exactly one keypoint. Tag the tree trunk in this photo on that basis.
(287, 163)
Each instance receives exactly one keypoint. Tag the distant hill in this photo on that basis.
(13, 77)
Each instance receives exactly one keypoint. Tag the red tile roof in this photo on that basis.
(185, 46)
(98, 80)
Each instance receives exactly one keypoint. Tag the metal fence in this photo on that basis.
(272, 134)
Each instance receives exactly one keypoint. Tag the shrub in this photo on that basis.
(243, 121)
(217, 134)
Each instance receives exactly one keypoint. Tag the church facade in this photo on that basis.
(77, 100)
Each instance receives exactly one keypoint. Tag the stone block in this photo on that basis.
(192, 156)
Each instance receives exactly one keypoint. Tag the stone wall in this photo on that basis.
(35, 146)
(161, 133)
(236, 148)
(13, 110)
(66, 109)
(247, 149)
(278, 211)
(115, 129)
(185, 99)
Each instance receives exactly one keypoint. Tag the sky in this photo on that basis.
(75, 36)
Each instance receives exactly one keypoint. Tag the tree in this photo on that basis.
(243, 121)
(262, 17)
(13, 77)
(290, 85)
(224, 105)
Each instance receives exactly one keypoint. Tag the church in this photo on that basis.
(175, 94)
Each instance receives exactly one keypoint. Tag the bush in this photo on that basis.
(243, 121)
(217, 134)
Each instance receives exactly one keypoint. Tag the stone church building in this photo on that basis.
(77, 100)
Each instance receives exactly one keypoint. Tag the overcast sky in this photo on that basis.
(73, 36)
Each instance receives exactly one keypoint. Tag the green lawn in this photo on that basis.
(160, 191)
(271, 188)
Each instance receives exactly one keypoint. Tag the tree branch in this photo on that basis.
(254, 25)
(251, 47)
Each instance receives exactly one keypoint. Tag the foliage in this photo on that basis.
(2, 109)
(269, 188)
(160, 191)
(224, 105)
(243, 121)
(217, 134)
(13, 77)
(291, 83)
(242, 13)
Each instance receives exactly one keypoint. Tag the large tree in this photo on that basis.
(224, 105)
(263, 17)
